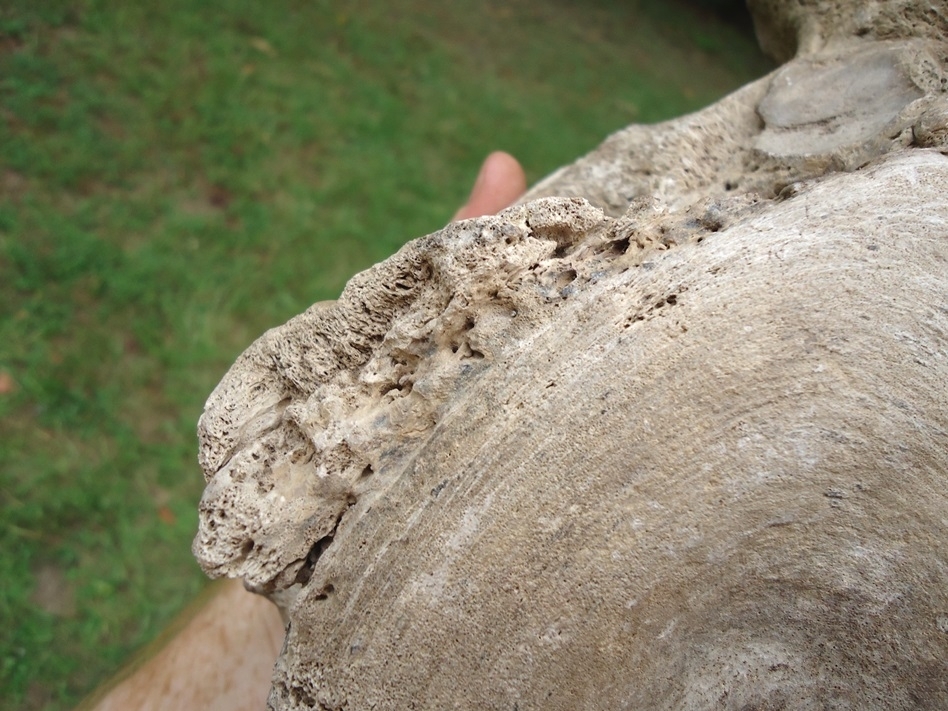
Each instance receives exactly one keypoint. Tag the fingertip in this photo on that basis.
(500, 181)
(504, 173)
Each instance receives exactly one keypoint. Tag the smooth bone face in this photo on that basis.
(679, 443)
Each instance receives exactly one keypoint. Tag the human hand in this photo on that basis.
(499, 183)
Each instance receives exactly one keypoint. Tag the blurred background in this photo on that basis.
(177, 176)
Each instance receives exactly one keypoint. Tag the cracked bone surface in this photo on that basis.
(670, 434)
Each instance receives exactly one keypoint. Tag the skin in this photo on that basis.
(499, 183)
(219, 654)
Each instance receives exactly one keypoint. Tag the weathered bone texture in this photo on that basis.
(678, 440)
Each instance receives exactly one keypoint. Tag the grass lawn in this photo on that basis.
(176, 177)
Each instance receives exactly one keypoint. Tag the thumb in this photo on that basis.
(499, 183)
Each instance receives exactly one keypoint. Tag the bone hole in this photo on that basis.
(562, 249)
(620, 246)
(306, 572)
(327, 590)
(565, 278)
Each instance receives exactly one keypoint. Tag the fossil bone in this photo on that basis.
(672, 433)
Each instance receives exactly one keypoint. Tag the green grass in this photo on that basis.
(176, 177)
